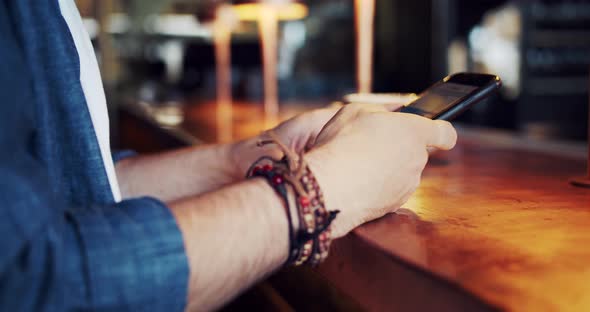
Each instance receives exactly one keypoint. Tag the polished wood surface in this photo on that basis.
(494, 225)
(501, 223)
(195, 122)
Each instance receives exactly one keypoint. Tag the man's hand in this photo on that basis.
(369, 160)
(366, 159)
(298, 133)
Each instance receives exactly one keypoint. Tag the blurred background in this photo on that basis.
(161, 59)
(180, 72)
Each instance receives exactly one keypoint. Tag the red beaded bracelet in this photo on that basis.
(310, 238)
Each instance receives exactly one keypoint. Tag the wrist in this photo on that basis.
(243, 153)
(320, 164)
(235, 155)
(310, 232)
(224, 157)
(277, 214)
(274, 215)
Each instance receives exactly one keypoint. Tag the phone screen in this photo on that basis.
(438, 99)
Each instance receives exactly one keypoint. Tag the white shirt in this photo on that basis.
(92, 87)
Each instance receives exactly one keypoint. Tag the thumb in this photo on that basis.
(442, 135)
(437, 134)
(392, 107)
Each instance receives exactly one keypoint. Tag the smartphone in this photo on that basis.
(454, 94)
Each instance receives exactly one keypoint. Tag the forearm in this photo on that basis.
(177, 174)
(233, 237)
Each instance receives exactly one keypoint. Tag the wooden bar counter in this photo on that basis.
(500, 223)
(493, 226)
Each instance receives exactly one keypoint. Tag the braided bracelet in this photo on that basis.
(309, 232)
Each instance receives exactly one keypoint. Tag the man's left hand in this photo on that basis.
(297, 133)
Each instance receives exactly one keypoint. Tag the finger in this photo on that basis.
(438, 134)
(442, 136)
(324, 134)
(372, 108)
(392, 107)
(351, 111)
(322, 116)
(314, 122)
(343, 116)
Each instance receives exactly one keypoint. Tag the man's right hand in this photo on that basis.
(369, 160)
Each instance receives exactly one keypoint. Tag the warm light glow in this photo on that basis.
(268, 27)
(381, 98)
(169, 115)
(268, 14)
(222, 42)
(364, 17)
(285, 11)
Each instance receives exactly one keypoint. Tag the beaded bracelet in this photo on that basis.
(309, 242)
(275, 178)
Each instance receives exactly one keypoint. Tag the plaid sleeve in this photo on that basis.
(133, 256)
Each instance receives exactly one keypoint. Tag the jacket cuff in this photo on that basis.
(134, 256)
